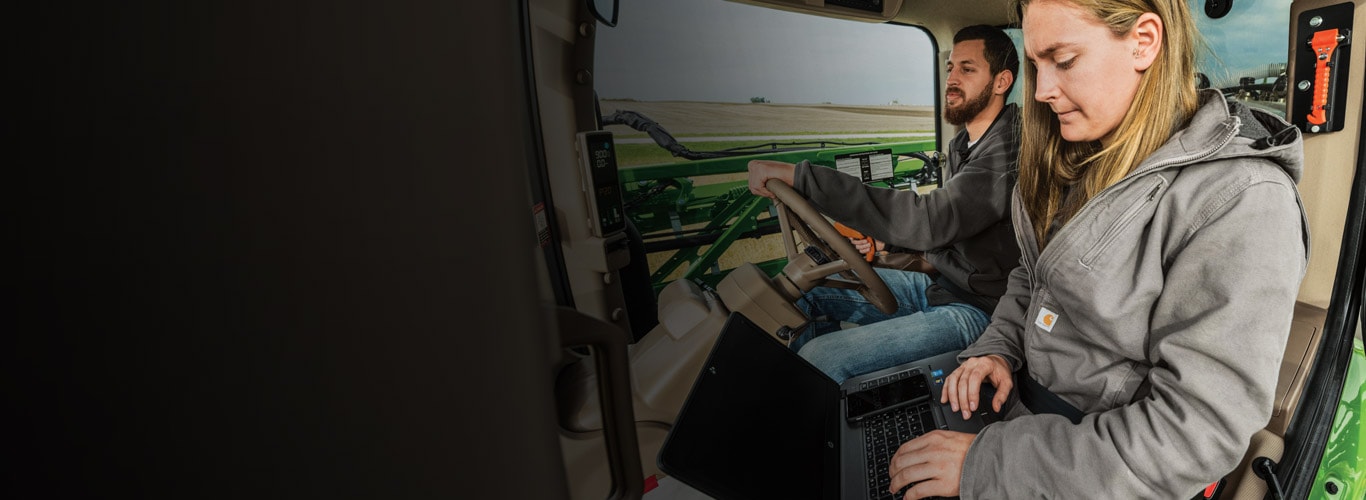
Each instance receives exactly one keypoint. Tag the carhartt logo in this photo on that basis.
(1046, 319)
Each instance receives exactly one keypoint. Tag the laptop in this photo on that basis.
(761, 422)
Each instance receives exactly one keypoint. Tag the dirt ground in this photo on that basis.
(710, 118)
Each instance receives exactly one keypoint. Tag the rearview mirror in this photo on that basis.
(604, 10)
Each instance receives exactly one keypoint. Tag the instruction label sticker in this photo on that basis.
(868, 166)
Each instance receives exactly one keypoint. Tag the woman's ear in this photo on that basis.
(1146, 37)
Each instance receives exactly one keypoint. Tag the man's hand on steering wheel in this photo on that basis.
(760, 171)
(836, 255)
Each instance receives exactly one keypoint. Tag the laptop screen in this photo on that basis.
(759, 422)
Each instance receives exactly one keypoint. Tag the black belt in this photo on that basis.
(1040, 400)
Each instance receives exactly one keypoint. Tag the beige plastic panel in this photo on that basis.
(1243, 484)
(663, 364)
(682, 305)
(1329, 161)
(748, 291)
(1305, 332)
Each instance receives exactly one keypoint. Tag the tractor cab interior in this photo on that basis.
(690, 311)
(483, 249)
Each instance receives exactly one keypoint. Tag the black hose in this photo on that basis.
(656, 132)
(1265, 468)
(667, 141)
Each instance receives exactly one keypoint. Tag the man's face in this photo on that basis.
(969, 83)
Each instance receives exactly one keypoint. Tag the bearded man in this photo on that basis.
(963, 228)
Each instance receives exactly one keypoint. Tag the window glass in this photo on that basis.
(719, 75)
(699, 65)
(1247, 51)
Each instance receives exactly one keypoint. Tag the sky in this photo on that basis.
(714, 50)
(711, 50)
(1252, 35)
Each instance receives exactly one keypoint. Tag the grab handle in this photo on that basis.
(614, 395)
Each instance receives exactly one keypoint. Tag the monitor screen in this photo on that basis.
(605, 187)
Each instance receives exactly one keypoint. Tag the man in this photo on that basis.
(964, 227)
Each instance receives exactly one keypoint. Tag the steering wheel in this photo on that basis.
(816, 266)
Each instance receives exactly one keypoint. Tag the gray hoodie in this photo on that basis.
(1182, 275)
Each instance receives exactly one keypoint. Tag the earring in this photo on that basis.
(1135, 53)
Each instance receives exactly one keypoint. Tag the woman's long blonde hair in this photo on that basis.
(1165, 101)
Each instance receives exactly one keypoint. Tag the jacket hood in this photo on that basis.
(1224, 129)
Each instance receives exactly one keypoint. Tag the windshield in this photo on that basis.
(719, 74)
(1247, 51)
(694, 90)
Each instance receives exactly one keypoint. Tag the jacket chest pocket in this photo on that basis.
(1126, 218)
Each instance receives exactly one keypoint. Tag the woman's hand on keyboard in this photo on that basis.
(963, 387)
(931, 464)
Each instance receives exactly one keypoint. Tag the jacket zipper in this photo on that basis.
(1024, 238)
(1118, 227)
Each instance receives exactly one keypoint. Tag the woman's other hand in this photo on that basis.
(963, 387)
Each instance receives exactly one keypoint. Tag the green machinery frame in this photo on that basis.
(1344, 458)
(662, 200)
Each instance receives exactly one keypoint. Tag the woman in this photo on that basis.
(1140, 300)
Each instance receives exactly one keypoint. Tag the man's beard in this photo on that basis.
(969, 109)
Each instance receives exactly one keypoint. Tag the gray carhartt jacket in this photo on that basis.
(1182, 275)
(963, 227)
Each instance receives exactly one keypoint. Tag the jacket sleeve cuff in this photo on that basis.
(998, 348)
(979, 465)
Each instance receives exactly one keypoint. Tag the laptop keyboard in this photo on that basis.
(883, 433)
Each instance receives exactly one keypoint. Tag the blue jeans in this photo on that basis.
(915, 331)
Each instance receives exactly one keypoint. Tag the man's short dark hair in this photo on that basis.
(1000, 51)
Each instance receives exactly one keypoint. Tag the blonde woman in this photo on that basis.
(1163, 243)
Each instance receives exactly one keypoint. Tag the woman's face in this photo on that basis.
(1083, 72)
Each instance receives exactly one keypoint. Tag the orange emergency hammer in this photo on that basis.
(1324, 43)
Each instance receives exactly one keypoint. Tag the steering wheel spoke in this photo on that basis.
(836, 255)
(846, 284)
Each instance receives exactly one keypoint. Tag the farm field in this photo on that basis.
(716, 118)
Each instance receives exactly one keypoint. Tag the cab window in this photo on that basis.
(730, 83)
(1246, 56)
